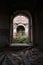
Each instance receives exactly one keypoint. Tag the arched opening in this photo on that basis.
(20, 30)
(22, 27)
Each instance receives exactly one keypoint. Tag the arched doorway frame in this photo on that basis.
(29, 16)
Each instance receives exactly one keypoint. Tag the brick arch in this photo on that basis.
(21, 25)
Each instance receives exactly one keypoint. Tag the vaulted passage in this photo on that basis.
(19, 18)
(21, 30)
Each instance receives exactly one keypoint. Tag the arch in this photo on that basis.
(20, 28)
(29, 17)
(21, 25)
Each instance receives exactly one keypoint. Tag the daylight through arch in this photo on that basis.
(20, 29)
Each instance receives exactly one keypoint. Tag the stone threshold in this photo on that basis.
(21, 44)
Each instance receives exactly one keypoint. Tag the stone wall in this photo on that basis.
(22, 22)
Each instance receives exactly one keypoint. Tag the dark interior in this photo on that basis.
(34, 7)
(7, 7)
(20, 28)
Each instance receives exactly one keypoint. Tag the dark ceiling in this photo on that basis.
(22, 4)
(10, 5)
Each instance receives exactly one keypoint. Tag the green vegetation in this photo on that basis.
(21, 39)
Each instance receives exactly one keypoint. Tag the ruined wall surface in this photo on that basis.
(20, 21)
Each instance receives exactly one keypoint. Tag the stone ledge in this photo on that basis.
(21, 44)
